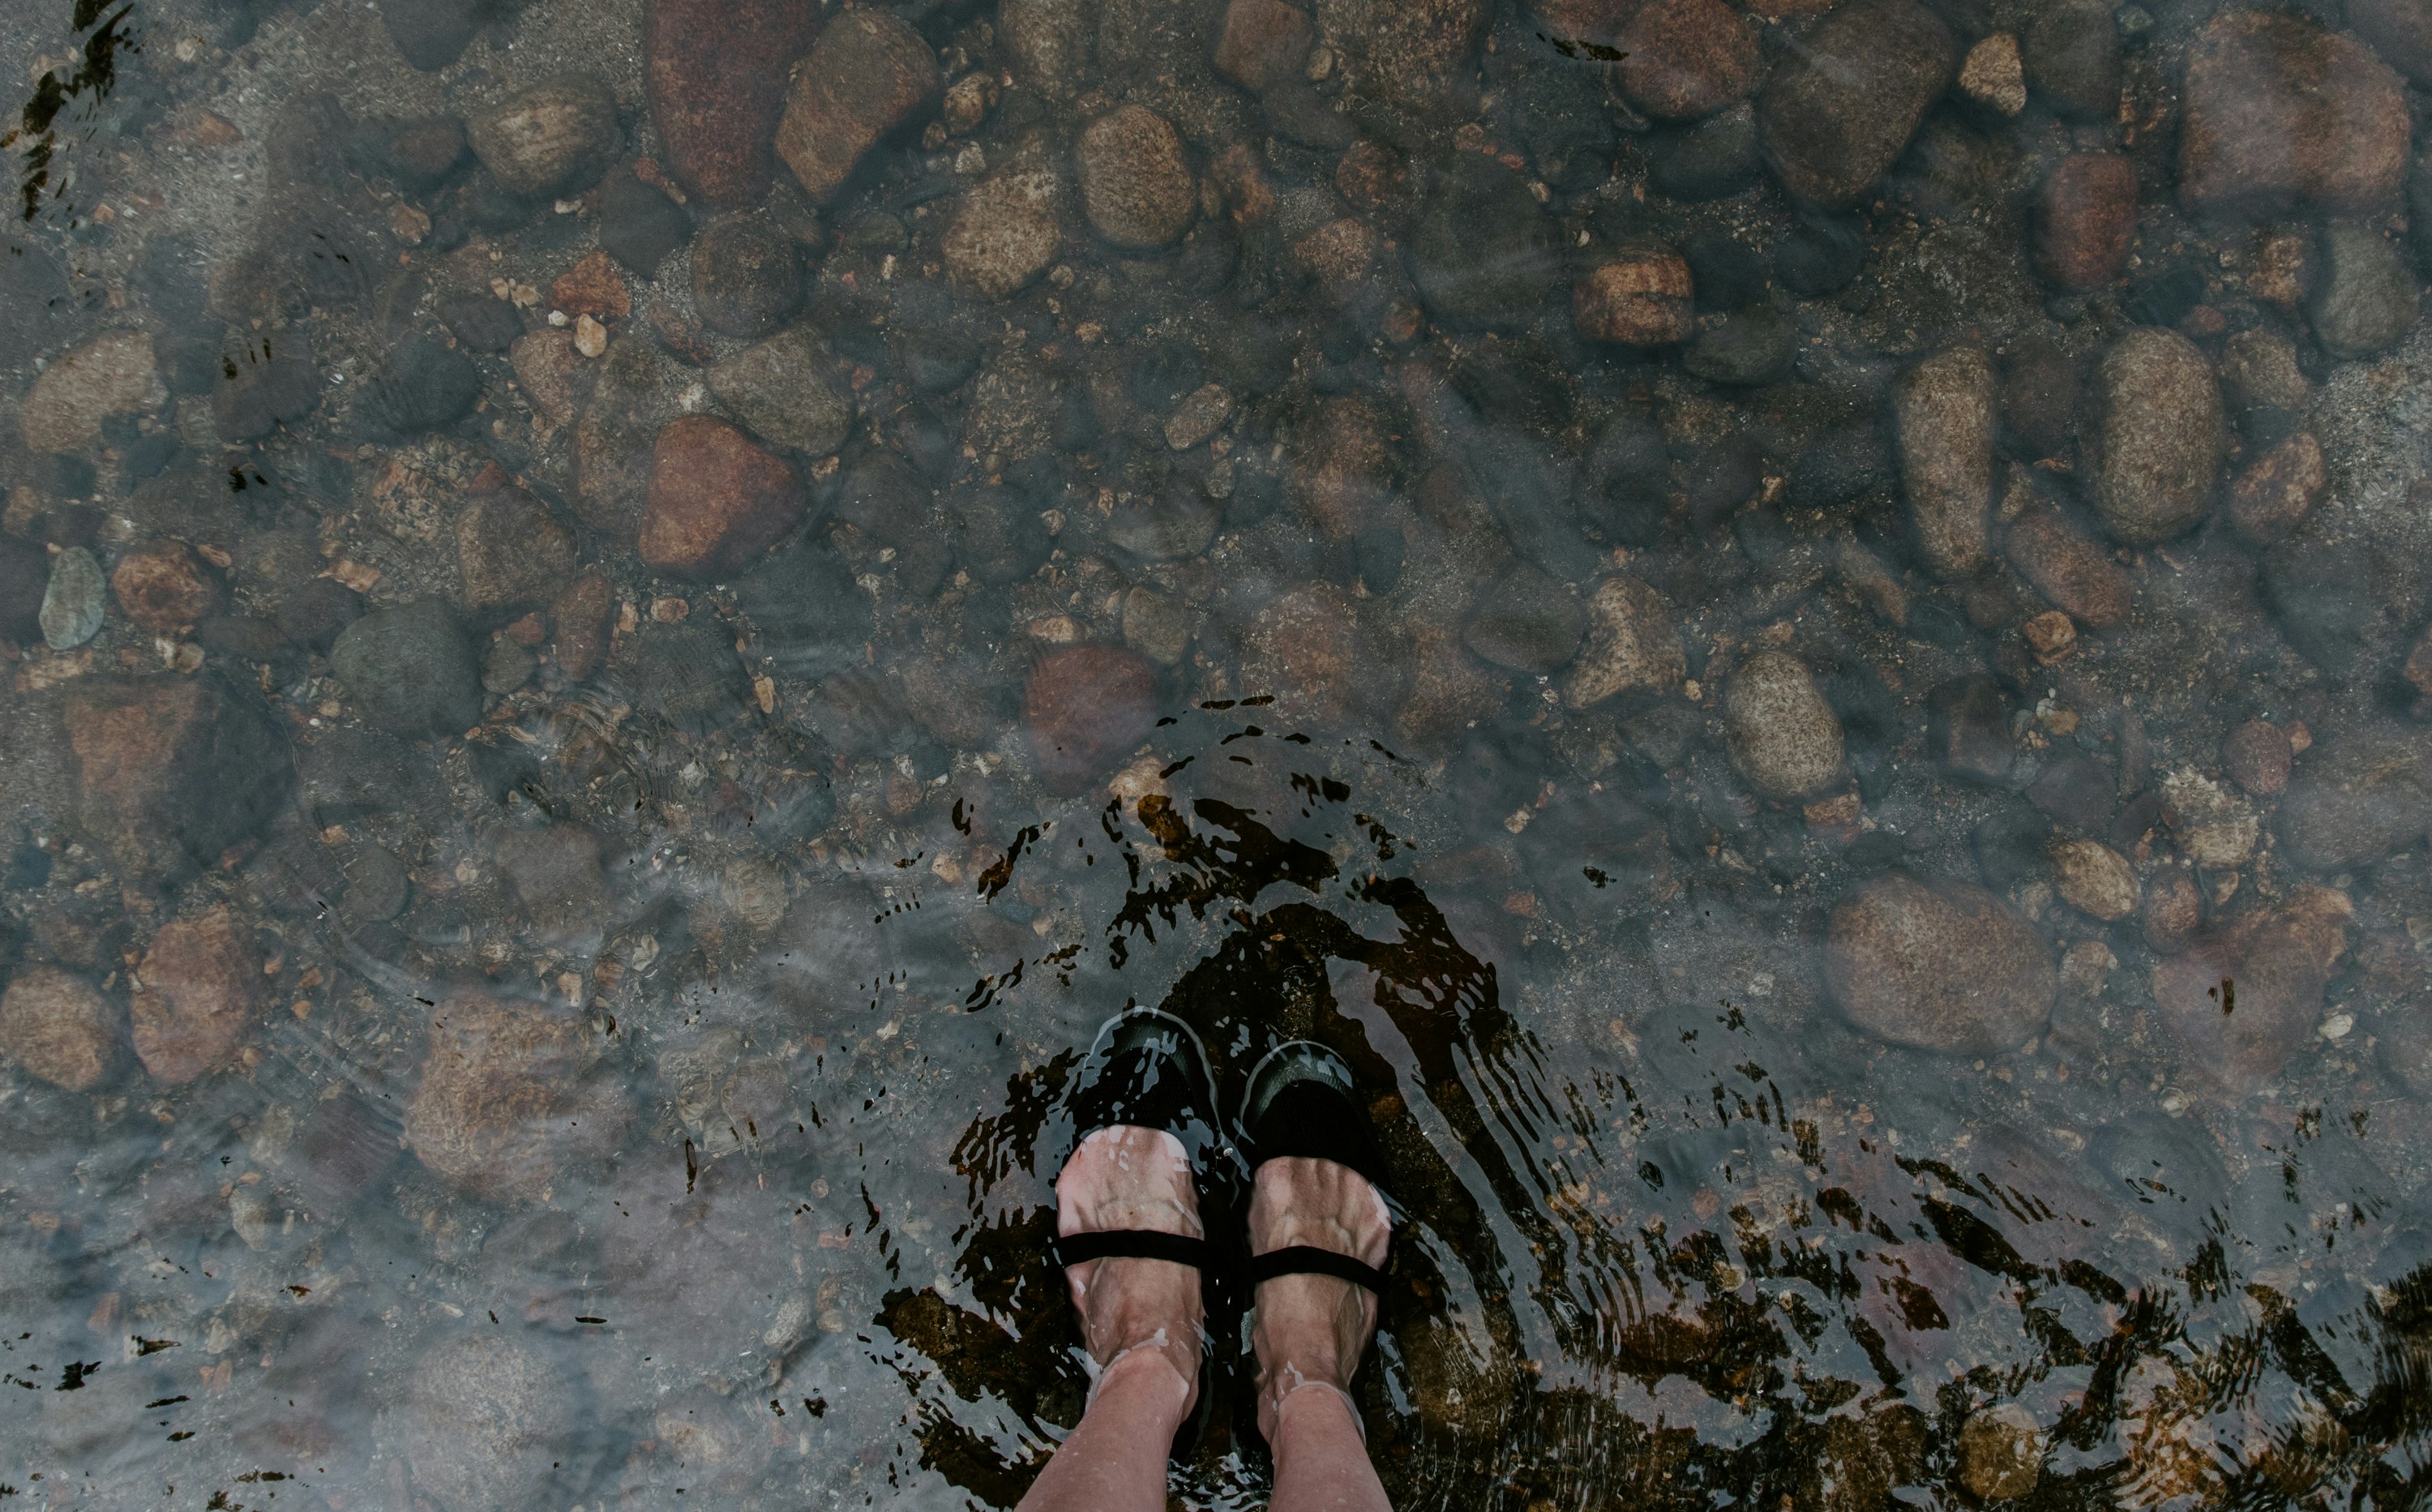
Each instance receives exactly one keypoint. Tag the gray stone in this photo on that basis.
(776, 390)
(73, 604)
(2158, 436)
(2071, 53)
(1751, 347)
(1783, 737)
(2364, 299)
(1946, 967)
(2357, 800)
(1156, 624)
(1842, 110)
(556, 136)
(115, 373)
(1482, 251)
(1942, 411)
(488, 1420)
(1526, 623)
(411, 671)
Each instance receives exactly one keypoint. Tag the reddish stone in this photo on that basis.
(2278, 489)
(2244, 999)
(1638, 300)
(1087, 707)
(869, 73)
(56, 1025)
(163, 589)
(717, 500)
(1303, 651)
(2279, 110)
(1263, 42)
(2086, 216)
(1682, 59)
(511, 552)
(581, 616)
(715, 73)
(501, 1106)
(172, 770)
(1341, 467)
(2258, 756)
(2073, 572)
(195, 995)
(592, 287)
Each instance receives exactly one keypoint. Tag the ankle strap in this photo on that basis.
(1135, 1244)
(1308, 1260)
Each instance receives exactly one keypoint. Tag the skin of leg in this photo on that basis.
(1142, 1320)
(1310, 1332)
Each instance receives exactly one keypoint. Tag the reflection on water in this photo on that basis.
(1798, 628)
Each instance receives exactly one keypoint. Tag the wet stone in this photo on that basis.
(2159, 439)
(1968, 729)
(481, 322)
(639, 225)
(25, 578)
(867, 75)
(1135, 185)
(1634, 643)
(715, 71)
(1783, 737)
(2093, 878)
(1946, 967)
(2278, 489)
(1943, 414)
(1263, 42)
(112, 374)
(2357, 799)
(2086, 216)
(1843, 109)
(74, 599)
(410, 671)
(746, 277)
(500, 1109)
(59, 1026)
(1748, 348)
(1302, 648)
(423, 385)
(171, 772)
(1004, 236)
(2073, 572)
(2276, 961)
(2365, 300)
(2072, 55)
(2400, 31)
(716, 502)
(511, 552)
(551, 139)
(2001, 1452)
(196, 995)
(1481, 253)
(1526, 623)
(1682, 59)
(1715, 157)
(164, 587)
(488, 1420)
(1641, 299)
(774, 387)
(2280, 111)
(2258, 756)
(1087, 707)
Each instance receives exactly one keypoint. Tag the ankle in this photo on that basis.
(1158, 1376)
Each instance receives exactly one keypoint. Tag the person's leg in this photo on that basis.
(1142, 1320)
(1310, 1332)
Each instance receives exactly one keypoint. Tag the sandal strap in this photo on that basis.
(1135, 1244)
(1308, 1260)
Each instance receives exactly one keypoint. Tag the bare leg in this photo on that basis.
(1310, 1333)
(1142, 1320)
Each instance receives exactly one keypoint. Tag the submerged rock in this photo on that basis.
(1946, 967)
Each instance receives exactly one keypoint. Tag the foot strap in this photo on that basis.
(1308, 1260)
(1135, 1244)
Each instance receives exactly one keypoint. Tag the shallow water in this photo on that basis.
(595, 711)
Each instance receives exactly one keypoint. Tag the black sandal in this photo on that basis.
(1146, 1069)
(1300, 1103)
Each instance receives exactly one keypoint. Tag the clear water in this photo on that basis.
(637, 1085)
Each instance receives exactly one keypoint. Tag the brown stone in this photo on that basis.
(1135, 185)
(112, 374)
(592, 287)
(716, 75)
(194, 997)
(2086, 216)
(1843, 109)
(1634, 643)
(2158, 437)
(2400, 31)
(1263, 42)
(1302, 648)
(1371, 177)
(1087, 707)
(164, 587)
(1637, 299)
(2280, 111)
(867, 75)
(1341, 467)
(1450, 690)
(2258, 756)
(171, 771)
(1781, 733)
(59, 1026)
(2073, 572)
(580, 616)
(2245, 998)
(2094, 879)
(2278, 489)
(717, 500)
(1409, 54)
(558, 135)
(2174, 910)
(1943, 417)
(1946, 967)
(511, 552)
(1684, 58)
(500, 1107)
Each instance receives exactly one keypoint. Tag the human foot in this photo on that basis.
(1311, 1330)
(1140, 1319)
